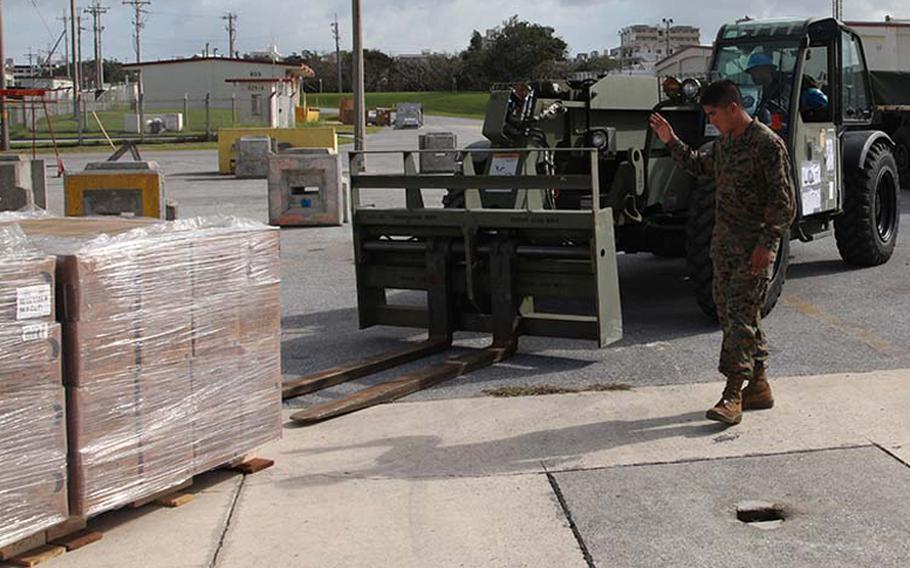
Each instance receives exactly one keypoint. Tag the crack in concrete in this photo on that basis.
(892, 454)
(568, 515)
(227, 522)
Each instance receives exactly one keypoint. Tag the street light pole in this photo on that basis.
(359, 98)
(667, 23)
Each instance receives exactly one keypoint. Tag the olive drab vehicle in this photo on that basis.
(839, 120)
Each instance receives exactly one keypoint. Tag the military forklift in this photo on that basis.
(843, 152)
(524, 241)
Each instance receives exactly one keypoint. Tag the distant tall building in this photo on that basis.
(641, 46)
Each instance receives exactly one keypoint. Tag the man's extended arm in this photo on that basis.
(699, 163)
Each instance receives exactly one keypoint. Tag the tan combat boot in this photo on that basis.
(757, 395)
(729, 408)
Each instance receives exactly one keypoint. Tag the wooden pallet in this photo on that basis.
(69, 535)
(73, 533)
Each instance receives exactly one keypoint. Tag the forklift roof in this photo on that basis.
(768, 28)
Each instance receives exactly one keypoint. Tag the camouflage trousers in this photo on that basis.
(739, 297)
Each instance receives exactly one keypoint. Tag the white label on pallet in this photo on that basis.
(35, 332)
(33, 302)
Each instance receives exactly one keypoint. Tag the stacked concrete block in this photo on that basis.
(306, 188)
(171, 341)
(253, 154)
(23, 183)
(443, 158)
(33, 450)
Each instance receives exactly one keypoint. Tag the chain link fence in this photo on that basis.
(119, 118)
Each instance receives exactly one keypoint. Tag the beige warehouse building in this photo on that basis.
(258, 91)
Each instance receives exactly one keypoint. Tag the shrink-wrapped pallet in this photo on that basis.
(33, 483)
(171, 335)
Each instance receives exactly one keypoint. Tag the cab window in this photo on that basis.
(854, 91)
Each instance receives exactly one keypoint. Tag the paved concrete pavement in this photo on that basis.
(631, 478)
(449, 477)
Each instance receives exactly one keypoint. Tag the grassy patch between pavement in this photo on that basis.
(540, 390)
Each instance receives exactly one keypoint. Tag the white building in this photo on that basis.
(692, 60)
(886, 44)
(641, 46)
(251, 88)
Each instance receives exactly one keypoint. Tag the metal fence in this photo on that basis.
(119, 118)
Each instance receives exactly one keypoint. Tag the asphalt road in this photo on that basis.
(830, 319)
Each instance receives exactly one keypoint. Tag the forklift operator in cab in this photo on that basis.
(775, 95)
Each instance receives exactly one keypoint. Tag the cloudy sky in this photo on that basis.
(181, 28)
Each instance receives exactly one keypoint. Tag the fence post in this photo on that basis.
(80, 119)
(233, 108)
(186, 111)
(208, 117)
(141, 116)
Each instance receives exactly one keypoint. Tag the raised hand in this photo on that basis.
(662, 128)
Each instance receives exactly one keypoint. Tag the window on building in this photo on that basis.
(256, 104)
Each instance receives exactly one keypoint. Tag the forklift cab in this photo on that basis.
(819, 89)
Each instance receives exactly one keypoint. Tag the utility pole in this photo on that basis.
(32, 54)
(667, 23)
(359, 98)
(138, 24)
(96, 10)
(231, 18)
(66, 44)
(337, 35)
(837, 7)
(4, 119)
(74, 38)
(79, 30)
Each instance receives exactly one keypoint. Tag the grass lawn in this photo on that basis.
(463, 105)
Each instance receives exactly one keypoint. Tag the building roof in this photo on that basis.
(228, 59)
(683, 50)
(879, 24)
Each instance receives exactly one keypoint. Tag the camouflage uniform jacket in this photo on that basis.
(755, 201)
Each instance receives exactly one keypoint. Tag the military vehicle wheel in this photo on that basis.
(866, 233)
(902, 155)
(698, 254)
(454, 198)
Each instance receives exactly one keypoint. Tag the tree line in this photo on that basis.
(515, 51)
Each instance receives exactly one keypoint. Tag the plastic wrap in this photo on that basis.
(171, 348)
(33, 494)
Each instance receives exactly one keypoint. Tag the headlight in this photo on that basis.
(672, 87)
(691, 88)
(599, 139)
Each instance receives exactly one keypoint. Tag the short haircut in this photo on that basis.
(721, 93)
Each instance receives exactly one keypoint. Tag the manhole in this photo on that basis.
(760, 514)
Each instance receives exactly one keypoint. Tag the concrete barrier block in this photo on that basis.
(306, 188)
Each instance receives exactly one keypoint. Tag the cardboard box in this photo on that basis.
(30, 356)
(27, 290)
(33, 450)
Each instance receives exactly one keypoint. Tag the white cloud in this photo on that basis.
(180, 28)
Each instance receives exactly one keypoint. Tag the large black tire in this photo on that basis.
(454, 198)
(699, 230)
(866, 233)
(902, 155)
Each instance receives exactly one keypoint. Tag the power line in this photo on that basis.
(96, 10)
(231, 28)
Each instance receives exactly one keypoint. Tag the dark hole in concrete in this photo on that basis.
(760, 512)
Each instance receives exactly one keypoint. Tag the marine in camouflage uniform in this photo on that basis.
(755, 205)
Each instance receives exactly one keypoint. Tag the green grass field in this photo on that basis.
(464, 105)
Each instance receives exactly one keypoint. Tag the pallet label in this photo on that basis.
(33, 302)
